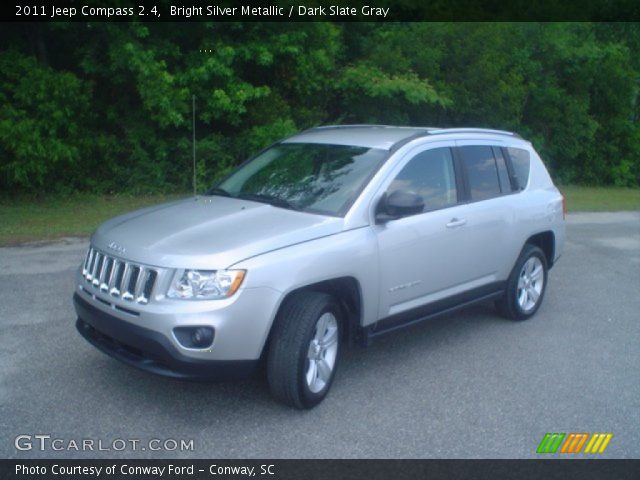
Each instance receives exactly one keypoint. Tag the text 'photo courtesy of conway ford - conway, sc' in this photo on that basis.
(333, 236)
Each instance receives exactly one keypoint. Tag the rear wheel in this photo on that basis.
(526, 285)
(304, 349)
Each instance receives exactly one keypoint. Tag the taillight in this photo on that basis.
(564, 207)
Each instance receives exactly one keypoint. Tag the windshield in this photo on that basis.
(312, 177)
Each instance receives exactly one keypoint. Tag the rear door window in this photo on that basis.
(503, 173)
(482, 171)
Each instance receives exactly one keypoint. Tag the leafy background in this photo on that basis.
(106, 107)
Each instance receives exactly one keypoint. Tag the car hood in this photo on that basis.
(208, 232)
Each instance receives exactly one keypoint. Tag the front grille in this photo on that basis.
(119, 278)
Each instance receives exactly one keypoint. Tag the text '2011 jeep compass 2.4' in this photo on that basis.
(335, 235)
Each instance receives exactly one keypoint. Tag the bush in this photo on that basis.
(43, 114)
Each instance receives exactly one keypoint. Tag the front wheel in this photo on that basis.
(526, 285)
(304, 349)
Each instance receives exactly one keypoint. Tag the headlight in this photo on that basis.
(205, 284)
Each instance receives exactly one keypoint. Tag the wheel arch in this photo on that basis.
(347, 292)
(546, 241)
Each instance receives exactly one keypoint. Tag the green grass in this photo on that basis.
(600, 199)
(27, 219)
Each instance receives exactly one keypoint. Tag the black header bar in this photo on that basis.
(314, 11)
(319, 469)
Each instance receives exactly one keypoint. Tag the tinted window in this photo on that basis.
(430, 175)
(503, 173)
(481, 171)
(520, 162)
(306, 176)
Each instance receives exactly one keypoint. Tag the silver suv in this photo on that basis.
(335, 235)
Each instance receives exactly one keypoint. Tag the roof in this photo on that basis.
(378, 136)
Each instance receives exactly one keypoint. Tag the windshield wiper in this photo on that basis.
(219, 191)
(270, 199)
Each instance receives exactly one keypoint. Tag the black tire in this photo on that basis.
(293, 331)
(508, 305)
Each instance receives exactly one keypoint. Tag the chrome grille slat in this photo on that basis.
(97, 268)
(140, 281)
(87, 261)
(105, 276)
(94, 265)
(103, 270)
(112, 275)
(117, 281)
(148, 285)
(131, 283)
(119, 278)
(126, 278)
(89, 274)
(135, 273)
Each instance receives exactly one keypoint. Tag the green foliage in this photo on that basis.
(374, 94)
(106, 107)
(41, 119)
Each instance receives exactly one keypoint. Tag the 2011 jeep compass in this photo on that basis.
(337, 234)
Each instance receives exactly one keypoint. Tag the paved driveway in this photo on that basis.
(465, 385)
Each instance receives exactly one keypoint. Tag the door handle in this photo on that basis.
(456, 222)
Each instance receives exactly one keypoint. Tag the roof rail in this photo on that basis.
(430, 130)
(440, 131)
(368, 125)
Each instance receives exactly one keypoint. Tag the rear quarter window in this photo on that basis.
(521, 162)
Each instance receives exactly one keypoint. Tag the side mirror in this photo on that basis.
(398, 204)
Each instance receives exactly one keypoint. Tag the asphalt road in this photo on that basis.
(466, 385)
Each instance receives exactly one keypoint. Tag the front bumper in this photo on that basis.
(148, 349)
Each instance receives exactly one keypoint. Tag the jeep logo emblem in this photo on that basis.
(116, 248)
